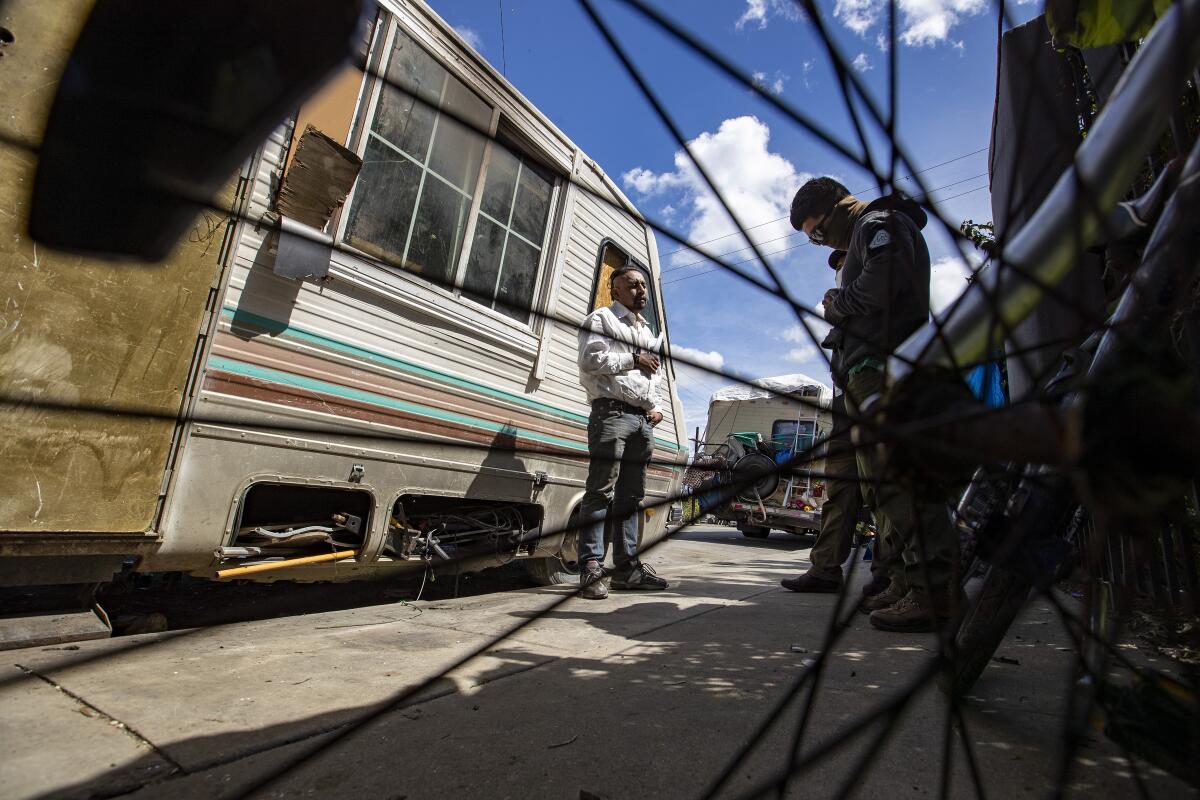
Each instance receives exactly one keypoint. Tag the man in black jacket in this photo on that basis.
(883, 297)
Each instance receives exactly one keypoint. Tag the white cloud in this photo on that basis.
(471, 36)
(858, 15)
(861, 63)
(947, 280)
(796, 334)
(648, 183)
(699, 358)
(695, 385)
(882, 43)
(759, 12)
(927, 22)
(804, 350)
(960, 46)
(774, 84)
(803, 353)
(807, 68)
(756, 11)
(757, 184)
(921, 23)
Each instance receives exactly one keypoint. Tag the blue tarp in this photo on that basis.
(984, 382)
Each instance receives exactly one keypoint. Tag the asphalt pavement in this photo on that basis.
(642, 695)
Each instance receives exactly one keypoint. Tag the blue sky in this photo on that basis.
(945, 52)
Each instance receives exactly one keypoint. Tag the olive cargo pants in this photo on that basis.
(904, 525)
(841, 513)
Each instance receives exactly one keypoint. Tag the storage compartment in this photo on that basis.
(282, 519)
(448, 529)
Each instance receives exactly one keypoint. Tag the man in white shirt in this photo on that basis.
(619, 369)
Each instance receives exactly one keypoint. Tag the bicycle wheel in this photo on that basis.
(984, 626)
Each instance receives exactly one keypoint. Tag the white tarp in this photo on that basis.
(764, 388)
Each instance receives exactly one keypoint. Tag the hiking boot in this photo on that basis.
(638, 576)
(888, 597)
(807, 582)
(878, 584)
(591, 579)
(917, 611)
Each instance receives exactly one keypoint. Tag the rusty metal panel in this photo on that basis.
(78, 333)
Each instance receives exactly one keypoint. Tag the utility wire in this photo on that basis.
(794, 233)
(800, 244)
(503, 47)
(863, 191)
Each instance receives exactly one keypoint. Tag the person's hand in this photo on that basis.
(827, 310)
(646, 362)
(655, 417)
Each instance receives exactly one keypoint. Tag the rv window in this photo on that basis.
(413, 203)
(612, 257)
(787, 432)
(420, 166)
(509, 233)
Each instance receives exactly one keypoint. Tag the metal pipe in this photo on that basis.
(1070, 218)
(271, 566)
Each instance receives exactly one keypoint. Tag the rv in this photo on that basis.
(318, 394)
(784, 415)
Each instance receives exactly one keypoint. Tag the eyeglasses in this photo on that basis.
(817, 234)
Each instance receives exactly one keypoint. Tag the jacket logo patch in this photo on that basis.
(881, 239)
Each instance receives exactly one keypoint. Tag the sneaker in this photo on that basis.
(893, 594)
(591, 581)
(917, 611)
(807, 582)
(638, 576)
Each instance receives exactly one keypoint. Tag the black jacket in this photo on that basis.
(885, 284)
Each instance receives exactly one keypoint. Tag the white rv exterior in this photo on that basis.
(431, 369)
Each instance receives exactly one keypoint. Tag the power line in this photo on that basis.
(800, 244)
(872, 188)
(503, 46)
(963, 194)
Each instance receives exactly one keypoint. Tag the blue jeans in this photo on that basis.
(620, 444)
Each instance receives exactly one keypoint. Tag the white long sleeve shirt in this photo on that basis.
(607, 340)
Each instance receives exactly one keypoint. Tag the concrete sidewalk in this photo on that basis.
(643, 695)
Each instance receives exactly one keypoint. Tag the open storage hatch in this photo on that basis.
(292, 520)
(445, 530)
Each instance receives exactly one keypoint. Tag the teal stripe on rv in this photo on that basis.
(324, 387)
(299, 334)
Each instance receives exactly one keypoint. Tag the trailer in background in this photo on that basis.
(782, 416)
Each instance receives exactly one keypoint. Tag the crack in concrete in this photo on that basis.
(124, 727)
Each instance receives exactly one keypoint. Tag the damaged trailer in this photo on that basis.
(782, 418)
(366, 364)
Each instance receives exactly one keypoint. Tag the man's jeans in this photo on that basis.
(619, 443)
